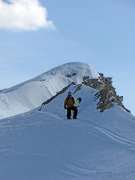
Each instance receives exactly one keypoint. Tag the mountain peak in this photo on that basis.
(32, 93)
(45, 145)
(77, 68)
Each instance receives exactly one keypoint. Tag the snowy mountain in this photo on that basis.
(31, 94)
(44, 145)
(40, 145)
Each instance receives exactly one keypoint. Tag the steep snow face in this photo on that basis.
(31, 94)
(45, 145)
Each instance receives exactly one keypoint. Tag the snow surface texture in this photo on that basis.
(44, 145)
(31, 94)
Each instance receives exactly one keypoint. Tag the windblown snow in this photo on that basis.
(44, 145)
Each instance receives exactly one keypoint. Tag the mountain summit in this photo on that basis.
(31, 94)
(39, 145)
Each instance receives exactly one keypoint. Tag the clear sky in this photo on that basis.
(38, 35)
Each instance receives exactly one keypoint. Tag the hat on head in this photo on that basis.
(69, 93)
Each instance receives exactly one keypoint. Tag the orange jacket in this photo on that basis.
(69, 101)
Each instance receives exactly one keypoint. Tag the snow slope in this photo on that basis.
(31, 94)
(44, 145)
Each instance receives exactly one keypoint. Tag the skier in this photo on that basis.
(69, 105)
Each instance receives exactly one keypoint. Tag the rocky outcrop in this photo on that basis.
(70, 75)
(106, 92)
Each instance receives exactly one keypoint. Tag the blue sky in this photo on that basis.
(37, 35)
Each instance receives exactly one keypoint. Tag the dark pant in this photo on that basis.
(69, 112)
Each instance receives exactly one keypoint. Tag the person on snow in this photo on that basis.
(69, 105)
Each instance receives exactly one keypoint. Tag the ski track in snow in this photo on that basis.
(88, 128)
(109, 135)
